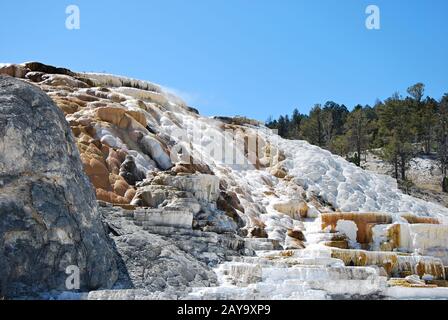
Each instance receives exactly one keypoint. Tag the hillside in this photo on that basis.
(224, 208)
(424, 176)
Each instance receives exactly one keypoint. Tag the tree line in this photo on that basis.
(398, 128)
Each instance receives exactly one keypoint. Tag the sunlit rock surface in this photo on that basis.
(255, 215)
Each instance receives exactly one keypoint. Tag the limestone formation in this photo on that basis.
(287, 220)
(295, 208)
(364, 223)
(205, 188)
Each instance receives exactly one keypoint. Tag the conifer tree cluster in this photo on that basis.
(398, 128)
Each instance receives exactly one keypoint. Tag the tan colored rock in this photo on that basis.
(130, 194)
(279, 173)
(114, 115)
(120, 187)
(294, 208)
(303, 209)
(413, 219)
(14, 70)
(361, 258)
(96, 168)
(68, 108)
(363, 221)
(110, 197)
(138, 116)
(102, 165)
(257, 232)
(393, 238)
(69, 104)
(61, 80)
(191, 168)
(100, 181)
(296, 234)
(114, 160)
(341, 244)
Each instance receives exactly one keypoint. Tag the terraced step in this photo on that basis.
(282, 276)
(258, 244)
(164, 217)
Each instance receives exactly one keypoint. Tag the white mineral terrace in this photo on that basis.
(367, 254)
(314, 225)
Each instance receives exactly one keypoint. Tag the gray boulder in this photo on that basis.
(130, 172)
(154, 261)
(49, 217)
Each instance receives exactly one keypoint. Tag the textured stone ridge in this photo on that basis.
(49, 218)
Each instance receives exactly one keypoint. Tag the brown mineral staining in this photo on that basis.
(102, 166)
(364, 222)
(360, 258)
(397, 282)
(192, 168)
(341, 244)
(114, 115)
(279, 173)
(257, 232)
(393, 234)
(296, 234)
(287, 253)
(413, 219)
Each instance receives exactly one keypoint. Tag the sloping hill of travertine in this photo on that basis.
(145, 149)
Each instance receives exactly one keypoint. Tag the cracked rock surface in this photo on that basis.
(48, 212)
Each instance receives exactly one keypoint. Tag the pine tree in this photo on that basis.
(282, 128)
(442, 140)
(417, 91)
(356, 133)
(397, 127)
(296, 119)
(312, 127)
(427, 120)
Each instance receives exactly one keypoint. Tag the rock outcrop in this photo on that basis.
(183, 201)
(164, 258)
(185, 197)
(49, 218)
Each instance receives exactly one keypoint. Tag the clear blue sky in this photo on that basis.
(247, 57)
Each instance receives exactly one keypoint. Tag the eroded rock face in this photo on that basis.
(184, 201)
(48, 214)
(163, 258)
(204, 187)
